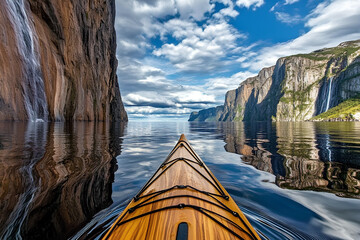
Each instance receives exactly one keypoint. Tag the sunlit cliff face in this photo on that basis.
(297, 88)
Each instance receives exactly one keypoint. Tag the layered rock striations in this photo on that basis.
(297, 88)
(73, 45)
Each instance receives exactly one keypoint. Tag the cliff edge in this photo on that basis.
(297, 88)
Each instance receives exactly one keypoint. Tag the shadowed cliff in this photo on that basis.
(65, 49)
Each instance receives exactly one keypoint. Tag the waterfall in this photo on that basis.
(32, 84)
(329, 94)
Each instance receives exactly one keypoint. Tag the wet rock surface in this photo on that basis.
(76, 44)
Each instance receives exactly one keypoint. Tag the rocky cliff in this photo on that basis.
(57, 61)
(297, 88)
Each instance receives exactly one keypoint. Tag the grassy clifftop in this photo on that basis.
(344, 49)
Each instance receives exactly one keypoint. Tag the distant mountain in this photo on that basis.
(297, 88)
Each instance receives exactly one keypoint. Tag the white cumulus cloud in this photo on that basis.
(330, 23)
(223, 84)
(250, 3)
(201, 48)
(193, 8)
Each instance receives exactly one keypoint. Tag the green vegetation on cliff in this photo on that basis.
(293, 89)
(239, 114)
(345, 110)
(324, 54)
(300, 99)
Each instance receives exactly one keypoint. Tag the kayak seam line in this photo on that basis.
(194, 154)
(216, 187)
(204, 192)
(188, 148)
(164, 164)
(148, 183)
(200, 209)
(221, 205)
(157, 193)
(137, 197)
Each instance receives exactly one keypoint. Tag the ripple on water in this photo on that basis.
(286, 177)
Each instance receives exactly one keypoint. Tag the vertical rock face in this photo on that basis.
(75, 44)
(250, 96)
(297, 88)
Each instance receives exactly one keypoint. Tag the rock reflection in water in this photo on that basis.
(304, 156)
(55, 177)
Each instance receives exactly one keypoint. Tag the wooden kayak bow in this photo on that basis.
(182, 200)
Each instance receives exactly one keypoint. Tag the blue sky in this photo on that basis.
(179, 56)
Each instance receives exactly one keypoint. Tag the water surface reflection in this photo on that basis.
(276, 213)
(303, 155)
(55, 177)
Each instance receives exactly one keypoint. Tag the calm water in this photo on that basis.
(292, 180)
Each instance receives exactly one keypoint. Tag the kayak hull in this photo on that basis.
(182, 200)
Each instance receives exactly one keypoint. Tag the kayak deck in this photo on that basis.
(182, 200)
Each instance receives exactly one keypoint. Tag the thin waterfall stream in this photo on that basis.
(33, 85)
(329, 95)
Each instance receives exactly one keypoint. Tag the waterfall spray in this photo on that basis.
(329, 94)
(32, 85)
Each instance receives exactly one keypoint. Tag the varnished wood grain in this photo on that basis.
(205, 219)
